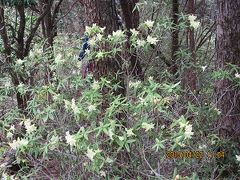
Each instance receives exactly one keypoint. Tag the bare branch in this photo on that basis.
(33, 31)
(66, 13)
(56, 9)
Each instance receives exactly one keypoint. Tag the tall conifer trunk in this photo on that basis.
(228, 51)
(175, 36)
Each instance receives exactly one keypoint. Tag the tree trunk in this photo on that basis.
(131, 19)
(102, 13)
(22, 48)
(49, 32)
(175, 36)
(228, 51)
(16, 78)
(190, 75)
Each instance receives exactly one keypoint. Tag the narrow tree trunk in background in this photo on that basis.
(16, 78)
(20, 48)
(49, 31)
(48, 34)
(228, 51)
(102, 13)
(131, 19)
(190, 75)
(190, 33)
(175, 36)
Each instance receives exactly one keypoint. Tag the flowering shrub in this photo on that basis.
(130, 138)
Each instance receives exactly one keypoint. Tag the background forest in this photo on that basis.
(153, 94)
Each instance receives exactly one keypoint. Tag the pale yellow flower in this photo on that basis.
(121, 138)
(152, 40)
(202, 146)
(7, 84)
(20, 61)
(204, 68)
(118, 34)
(18, 143)
(129, 132)
(100, 55)
(21, 85)
(102, 29)
(95, 85)
(237, 75)
(29, 126)
(102, 173)
(88, 30)
(150, 78)
(147, 126)
(134, 32)
(12, 128)
(70, 139)
(9, 135)
(92, 108)
(67, 104)
(92, 42)
(99, 36)
(53, 142)
(188, 131)
(238, 157)
(56, 97)
(87, 51)
(74, 107)
(192, 17)
(91, 153)
(58, 59)
(193, 23)
(134, 84)
(110, 133)
(141, 43)
(149, 23)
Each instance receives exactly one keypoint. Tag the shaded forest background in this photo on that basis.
(156, 95)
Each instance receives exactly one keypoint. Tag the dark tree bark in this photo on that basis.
(190, 75)
(175, 36)
(23, 44)
(131, 19)
(102, 13)
(49, 30)
(228, 51)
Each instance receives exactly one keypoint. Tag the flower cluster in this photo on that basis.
(188, 131)
(193, 23)
(29, 126)
(92, 153)
(16, 144)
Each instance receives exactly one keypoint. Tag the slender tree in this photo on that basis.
(131, 20)
(49, 31)
(20, 43)
(190, 76)
(228, 51)
(175, 35)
